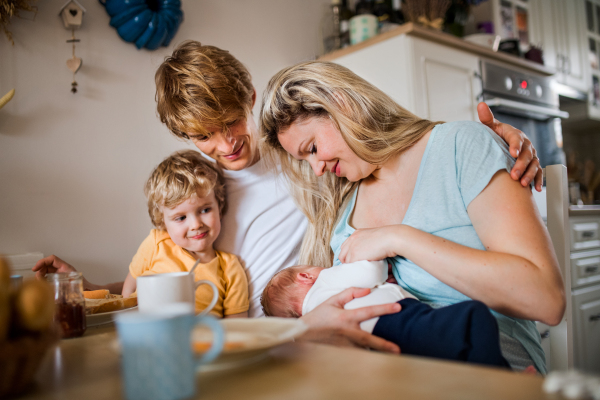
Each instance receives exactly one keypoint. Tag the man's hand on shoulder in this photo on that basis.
(527, 168)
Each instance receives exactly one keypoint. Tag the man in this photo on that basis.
(205, 95)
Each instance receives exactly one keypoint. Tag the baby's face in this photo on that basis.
(194, 224)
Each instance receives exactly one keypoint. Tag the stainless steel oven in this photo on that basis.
(528, 102)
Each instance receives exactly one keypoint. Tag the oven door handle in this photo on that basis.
(519, 106)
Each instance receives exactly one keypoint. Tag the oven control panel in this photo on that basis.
(507, 82)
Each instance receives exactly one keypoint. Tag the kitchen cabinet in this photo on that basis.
(585, 232)
(558, 25)
(585, 284)
(586, 315)
(591, 28)
(446, 82)
(433, 81)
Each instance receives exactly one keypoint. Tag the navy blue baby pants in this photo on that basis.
(465, 331)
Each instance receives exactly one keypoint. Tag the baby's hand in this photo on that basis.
(371, 244)
(391, 278)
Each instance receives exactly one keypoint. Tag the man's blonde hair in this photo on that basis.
(180, 176)
(370, 122)
(200, 86)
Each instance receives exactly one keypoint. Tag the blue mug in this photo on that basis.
(157, 358)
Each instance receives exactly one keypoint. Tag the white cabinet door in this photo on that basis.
(386, 65)
(446, 82)
(586, 304)
(559, 26)
(544, 32)
(574, 46)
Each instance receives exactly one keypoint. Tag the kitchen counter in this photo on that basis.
(444, 39)
(89, 368)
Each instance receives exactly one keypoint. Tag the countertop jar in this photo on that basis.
(70, 303)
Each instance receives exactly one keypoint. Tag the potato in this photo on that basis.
(4, 275)
(4, 299)
(34, 305)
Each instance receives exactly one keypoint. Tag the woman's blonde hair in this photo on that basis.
(199, 86)
(370, 122)
(180, 176)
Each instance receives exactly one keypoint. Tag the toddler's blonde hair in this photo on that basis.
(180, 176)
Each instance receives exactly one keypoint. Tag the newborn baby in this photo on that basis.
(464, 331)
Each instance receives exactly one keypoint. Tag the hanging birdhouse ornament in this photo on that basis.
(72, 14)
(72, 17)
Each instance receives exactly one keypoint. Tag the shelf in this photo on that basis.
(442, 38)
(584, 210)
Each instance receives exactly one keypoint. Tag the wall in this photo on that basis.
(72, 166)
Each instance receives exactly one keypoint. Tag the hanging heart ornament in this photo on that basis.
(74, 64)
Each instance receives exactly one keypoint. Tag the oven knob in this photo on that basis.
(538, 91)
(508, 83)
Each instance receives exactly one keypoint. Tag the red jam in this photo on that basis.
(71, 319)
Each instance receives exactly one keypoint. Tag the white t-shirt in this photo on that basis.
(262, 226)
(361, 274)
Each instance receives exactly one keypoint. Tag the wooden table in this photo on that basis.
(89, 368)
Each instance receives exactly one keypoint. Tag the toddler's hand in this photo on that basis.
(49, 265)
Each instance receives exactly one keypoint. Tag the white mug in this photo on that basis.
(154, 291)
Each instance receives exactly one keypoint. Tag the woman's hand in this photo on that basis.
(330, 323)
(371, 244)
(527, 167)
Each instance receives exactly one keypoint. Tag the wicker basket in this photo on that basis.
(20, 359)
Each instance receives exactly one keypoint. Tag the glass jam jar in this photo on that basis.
(70, 303)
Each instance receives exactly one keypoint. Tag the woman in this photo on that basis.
(376, 181)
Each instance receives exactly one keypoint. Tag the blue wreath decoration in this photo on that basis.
(147, 23)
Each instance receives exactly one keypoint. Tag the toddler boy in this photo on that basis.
(186, 200)
(464, 331)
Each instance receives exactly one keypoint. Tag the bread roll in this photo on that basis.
(96, 294)
(34, 305)
(115, 302)
(130, 302)
(95, 306)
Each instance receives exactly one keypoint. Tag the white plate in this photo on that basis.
(254, 336)
(104, 318)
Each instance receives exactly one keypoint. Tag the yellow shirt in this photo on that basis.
(158, 254)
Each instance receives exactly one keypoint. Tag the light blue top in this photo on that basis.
(459, 161)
